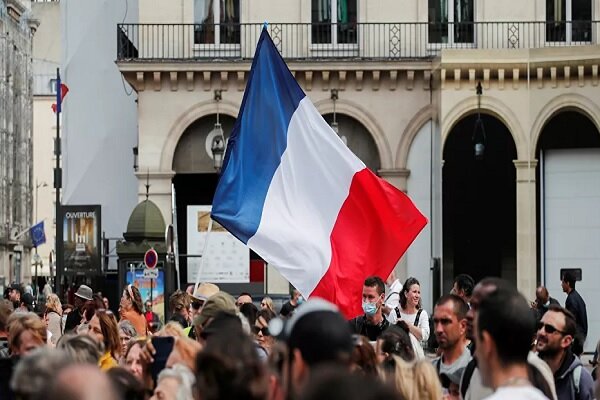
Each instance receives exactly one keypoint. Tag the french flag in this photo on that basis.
(296, 195)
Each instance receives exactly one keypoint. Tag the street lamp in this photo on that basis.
(37, 260)
(217, 146)
(479, 130)
(334, 124)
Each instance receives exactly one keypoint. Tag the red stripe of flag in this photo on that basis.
(375, 226)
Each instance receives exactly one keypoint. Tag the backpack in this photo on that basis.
(575, 379)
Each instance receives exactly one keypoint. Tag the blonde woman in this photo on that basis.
(413, 380)
(54, 317)
(267, 303)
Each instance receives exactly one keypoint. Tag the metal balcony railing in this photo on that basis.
(358, 41)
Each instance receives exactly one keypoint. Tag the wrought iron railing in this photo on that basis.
(363, 41)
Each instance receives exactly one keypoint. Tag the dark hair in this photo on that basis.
(409, 282)
(377, 282)
(332, 383)
(246, 294)
(396, 340)
(569, 277)
(249, 311)
(570, 324)
(465, 283)
(126, 384)
(363, 356)
(322, 337)
(136, 300)
(459, 305)
(229, 368)
(507, 308)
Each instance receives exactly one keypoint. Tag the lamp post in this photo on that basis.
(479, 130)
(334, 124)
(37, 260)
(217, 147)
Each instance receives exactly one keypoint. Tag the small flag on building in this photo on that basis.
(38, 235)
(60, 95)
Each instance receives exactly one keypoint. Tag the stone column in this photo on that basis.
(397, 177)
(526, 227)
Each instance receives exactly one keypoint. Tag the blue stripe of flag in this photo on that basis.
(257, 142)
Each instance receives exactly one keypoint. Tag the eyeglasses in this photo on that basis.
(549, 328)
(263, 304)
(264, 331)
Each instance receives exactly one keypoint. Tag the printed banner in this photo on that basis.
(150, 289)
(227, 260)
(81, 239)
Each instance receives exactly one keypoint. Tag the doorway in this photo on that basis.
(479, 203)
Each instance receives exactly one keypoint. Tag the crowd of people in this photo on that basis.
(482, 341)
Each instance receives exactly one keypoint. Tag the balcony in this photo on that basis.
(350, 42)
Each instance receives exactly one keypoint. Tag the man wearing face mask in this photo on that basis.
(372, 323)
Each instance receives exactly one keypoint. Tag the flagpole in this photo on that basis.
(57, 181)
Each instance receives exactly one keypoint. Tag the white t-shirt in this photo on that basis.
(410, 320)
(393, 294)
(517, 393)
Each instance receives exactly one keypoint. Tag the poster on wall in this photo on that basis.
(81, 227)
(150, 289)
(227, 260)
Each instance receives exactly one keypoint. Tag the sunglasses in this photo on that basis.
(549, 328)
(196, 305)
(264, 331)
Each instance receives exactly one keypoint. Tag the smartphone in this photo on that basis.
(163, 346)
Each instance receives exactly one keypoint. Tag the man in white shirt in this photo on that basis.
(392, 298)
(501, 353)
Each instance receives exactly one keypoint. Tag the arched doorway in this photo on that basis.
(479, 203)
(195, 177)
(358, 139)
(568, 221)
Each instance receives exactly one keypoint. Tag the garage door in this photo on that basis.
(571, 226)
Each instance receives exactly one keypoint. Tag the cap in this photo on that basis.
(318, 330)
(84, 292)
(223, 322)
(219, 302)
(205, 290)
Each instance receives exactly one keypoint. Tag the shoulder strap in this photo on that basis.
(416, 323)
(576, 376)
(465, 381)
(397, 309)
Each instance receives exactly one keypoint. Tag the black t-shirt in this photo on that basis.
(287, 309)
(361, 326)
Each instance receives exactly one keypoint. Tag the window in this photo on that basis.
(334, 21)
(568, 20)
(218, 21)
(451, 21)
